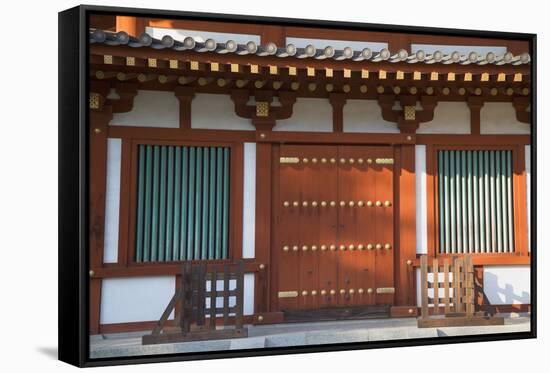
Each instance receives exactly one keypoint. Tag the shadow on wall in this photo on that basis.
(505, 295)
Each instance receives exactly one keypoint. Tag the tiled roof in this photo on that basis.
(310, 51)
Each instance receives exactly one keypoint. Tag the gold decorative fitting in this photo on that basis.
(292, 70)
(314, 204)
(214, 66)
(332, 247)
(130, 61)
(369, 290)
(468, 77)
(162, 79)
(332, 291)
(413, 90)
(494, 91)
(314, 292)
(91, 273)
(273, 70)
(310, 71)
(378, 203)
(387, 246)
(378, 246)
(347, 73)
(478, 91)
(387, 203)
(369, 160)
(342, 291)
(446, 91)
(323, 292)
(304, 293)
(221, 82)
(152, 62)
(369, 203)
(323, 204)
(314, 248)
(380, 89)
(346, 88)
(509, 91)
(312, 87)
(329, 73)
(294, 86)
(409, 138)
(451, 77)
(430, 90)
(254, 69)
(329, 87)
(342, 160)
(342, 203)
(385, 160)
(295, 204)
(234, 67)
(369, 246)
(360, 247)
(351, 247)
(342, 247)
(360, 290)
(417, 75)
(332, 203)
(360, 203)
(194, 65)
(289, 160)
(410, 311)
(323, 247)
(363, 88)
(259, 83)
(385, 290)
(351, 203)
(97, 130)
(286, 248)
(525, 91)
(351, 160)
(518, 77)
(304, 203)
(485, 77)
(260, 318)
(99, 74)
(305, 160)
(173, 64)
(462, 91)
(409, 262)
(203, 81)
(262, 109)
(382, 74)
(410, 112)
(501, 77)
(364, 73)
(287, 294)
(277, 85)
(262, 266)
(304, 248)
(332, 160)
(295, 248)
(434, 75)
(396, 90)
(94, 100)
(108, 59)
(352, 291)
(313, 160)
(360, 160)
(399, 75)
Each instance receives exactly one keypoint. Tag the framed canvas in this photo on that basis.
(235, 186)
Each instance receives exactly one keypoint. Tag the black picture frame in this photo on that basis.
(74, 188)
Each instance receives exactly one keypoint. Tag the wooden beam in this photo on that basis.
(475, 104)
(337, 100)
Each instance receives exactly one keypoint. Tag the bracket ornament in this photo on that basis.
(408, 118)
(263, 114)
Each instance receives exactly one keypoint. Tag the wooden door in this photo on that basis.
(333, 234)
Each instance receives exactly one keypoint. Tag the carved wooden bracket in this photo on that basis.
(99, 96)
(185, 95)
(407, 118)
(521, 104)
(263, 114)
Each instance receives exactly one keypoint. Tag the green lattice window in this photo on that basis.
(182, 203)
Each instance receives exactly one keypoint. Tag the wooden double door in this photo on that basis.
(333, 231)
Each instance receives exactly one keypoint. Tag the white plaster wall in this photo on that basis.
(500, 118)
(310, 115)
(248, 305)
(151, 109)
(507, 284)
(462, 49)
(135, 299)
(450, 118)
(528, 182)
(112, 201)
(249, 200)
(421, 204)
(201, 36)
(336, 44)
(211, 111)
(366, 116)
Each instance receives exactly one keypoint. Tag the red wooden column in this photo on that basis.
(337, 100)
(100, 116)
(405, 230)
(185, 96)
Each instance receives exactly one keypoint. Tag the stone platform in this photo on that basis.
(299, 334)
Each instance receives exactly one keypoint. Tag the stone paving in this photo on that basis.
(299, 334)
